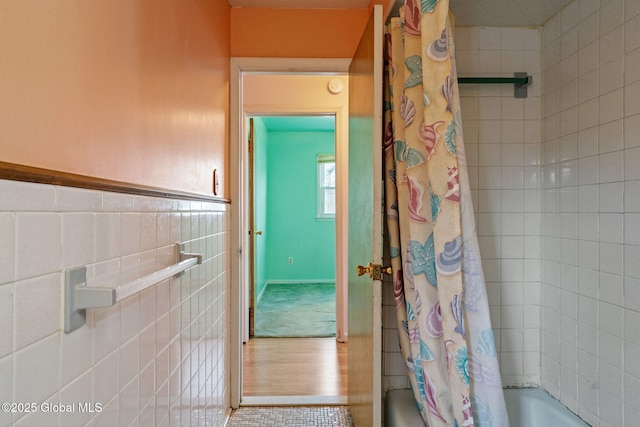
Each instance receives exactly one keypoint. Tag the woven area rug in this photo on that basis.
(297, 310)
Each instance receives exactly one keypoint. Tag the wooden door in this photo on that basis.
(365, 225)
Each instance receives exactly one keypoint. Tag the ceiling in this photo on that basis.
(505, 13)
(488, 13)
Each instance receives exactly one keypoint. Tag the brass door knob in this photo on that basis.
(362, 270)
(375, 271)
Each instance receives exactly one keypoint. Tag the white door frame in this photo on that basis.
(239, 233)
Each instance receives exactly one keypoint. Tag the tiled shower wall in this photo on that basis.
(591, 210)
(157, 358)
(502, 140)
(576, 202)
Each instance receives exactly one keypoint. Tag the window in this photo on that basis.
(326, 186)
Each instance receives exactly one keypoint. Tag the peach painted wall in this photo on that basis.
(128, 90)
(299, 33)
(296, 33)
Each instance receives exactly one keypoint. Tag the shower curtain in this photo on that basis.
(445, 331)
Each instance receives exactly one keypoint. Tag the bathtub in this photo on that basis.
(534, 407)
(526, 407)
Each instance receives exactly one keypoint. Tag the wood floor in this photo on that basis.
(294, 367)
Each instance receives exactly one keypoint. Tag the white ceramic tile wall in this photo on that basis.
(157, 358)
(502, 141)
(591, 229)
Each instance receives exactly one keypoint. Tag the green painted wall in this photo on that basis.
(292, 229)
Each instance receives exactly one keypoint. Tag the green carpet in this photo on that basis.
(297, 310)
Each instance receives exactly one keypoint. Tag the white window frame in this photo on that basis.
(321, 214)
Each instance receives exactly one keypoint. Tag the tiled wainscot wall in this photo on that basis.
(159, 357)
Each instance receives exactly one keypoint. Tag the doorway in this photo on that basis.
(322, 102)
(293, 246)
(292, 352)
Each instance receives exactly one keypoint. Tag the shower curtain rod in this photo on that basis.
(520, 82)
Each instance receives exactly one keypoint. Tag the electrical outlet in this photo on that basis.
(290, 260)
